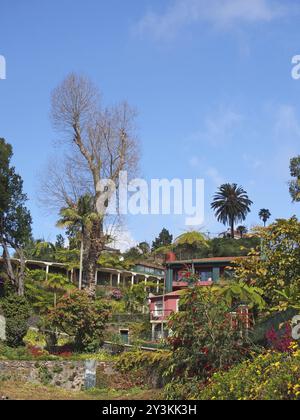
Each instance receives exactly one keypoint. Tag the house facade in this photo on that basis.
(105, 277)
(208, 270)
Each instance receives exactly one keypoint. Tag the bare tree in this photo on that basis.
(96, 143)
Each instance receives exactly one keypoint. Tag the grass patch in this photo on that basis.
(16, 390)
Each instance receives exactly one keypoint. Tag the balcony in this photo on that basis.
(160, 315)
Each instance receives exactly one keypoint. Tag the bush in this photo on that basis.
(150, 365)
(202, 339)
(79, 317)
(17, 312)
(270, 376)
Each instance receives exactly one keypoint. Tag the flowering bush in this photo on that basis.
(270, 376)
(117, 294)
(280, 340)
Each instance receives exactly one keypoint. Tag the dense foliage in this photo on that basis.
(80, 317)
(231, 205)
(295, 182)
(277, 268)
(202, 338)
(17, 312)
(270, 376)
(15, 218)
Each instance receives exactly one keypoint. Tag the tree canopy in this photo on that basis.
(15, 218)
(231, 205)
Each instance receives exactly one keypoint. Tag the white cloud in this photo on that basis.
(218, 128)
(215, 176)
(220, 13)
(287, 123)
(194, 162)
(252, 161)
(123, 238)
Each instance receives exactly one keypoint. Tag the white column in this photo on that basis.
(146, 280)
(119, 279)
(96, 277)
(153, 332)
(157, 287)
(132, 279)
(47, 272)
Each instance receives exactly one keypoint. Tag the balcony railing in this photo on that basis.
(160, 315)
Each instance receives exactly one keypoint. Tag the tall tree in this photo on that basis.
(164, 239)
(264, 215)
(231, 205)
(242, 230)
(60, 242)
(80, 217)
(295, 183)
(97, 144)
(15, 218)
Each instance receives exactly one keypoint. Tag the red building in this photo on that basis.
(208, 270)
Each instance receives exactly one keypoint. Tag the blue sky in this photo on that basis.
(211, 81)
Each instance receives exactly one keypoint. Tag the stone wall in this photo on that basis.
(75, 375)
(68, 375)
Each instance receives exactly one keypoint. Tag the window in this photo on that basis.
(158, 308)
(206, 276)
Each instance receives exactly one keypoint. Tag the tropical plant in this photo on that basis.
(231, 204)
(264, 215)
(236, 293)
(80, 217)
(135, 297)
(58, 283)
(242, 230)
(190, 244)
(277, 267)
(202, 338)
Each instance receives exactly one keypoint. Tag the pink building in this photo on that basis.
(161, 307)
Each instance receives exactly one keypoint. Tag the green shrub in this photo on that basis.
(150, 365)
(270, 376)
(16, 330)
(142, 359)
(17, 312)
(79, 317)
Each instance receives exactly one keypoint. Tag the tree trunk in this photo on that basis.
(8, 265)
(21, 274)
(94, 247)
(232, 228)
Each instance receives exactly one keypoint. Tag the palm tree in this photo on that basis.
(79, 216)
(264, 215)
(242, 230)
(231, 204)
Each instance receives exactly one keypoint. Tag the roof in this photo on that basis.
(185, 283)
(177, 293)
(204, 260)
(150, 264)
